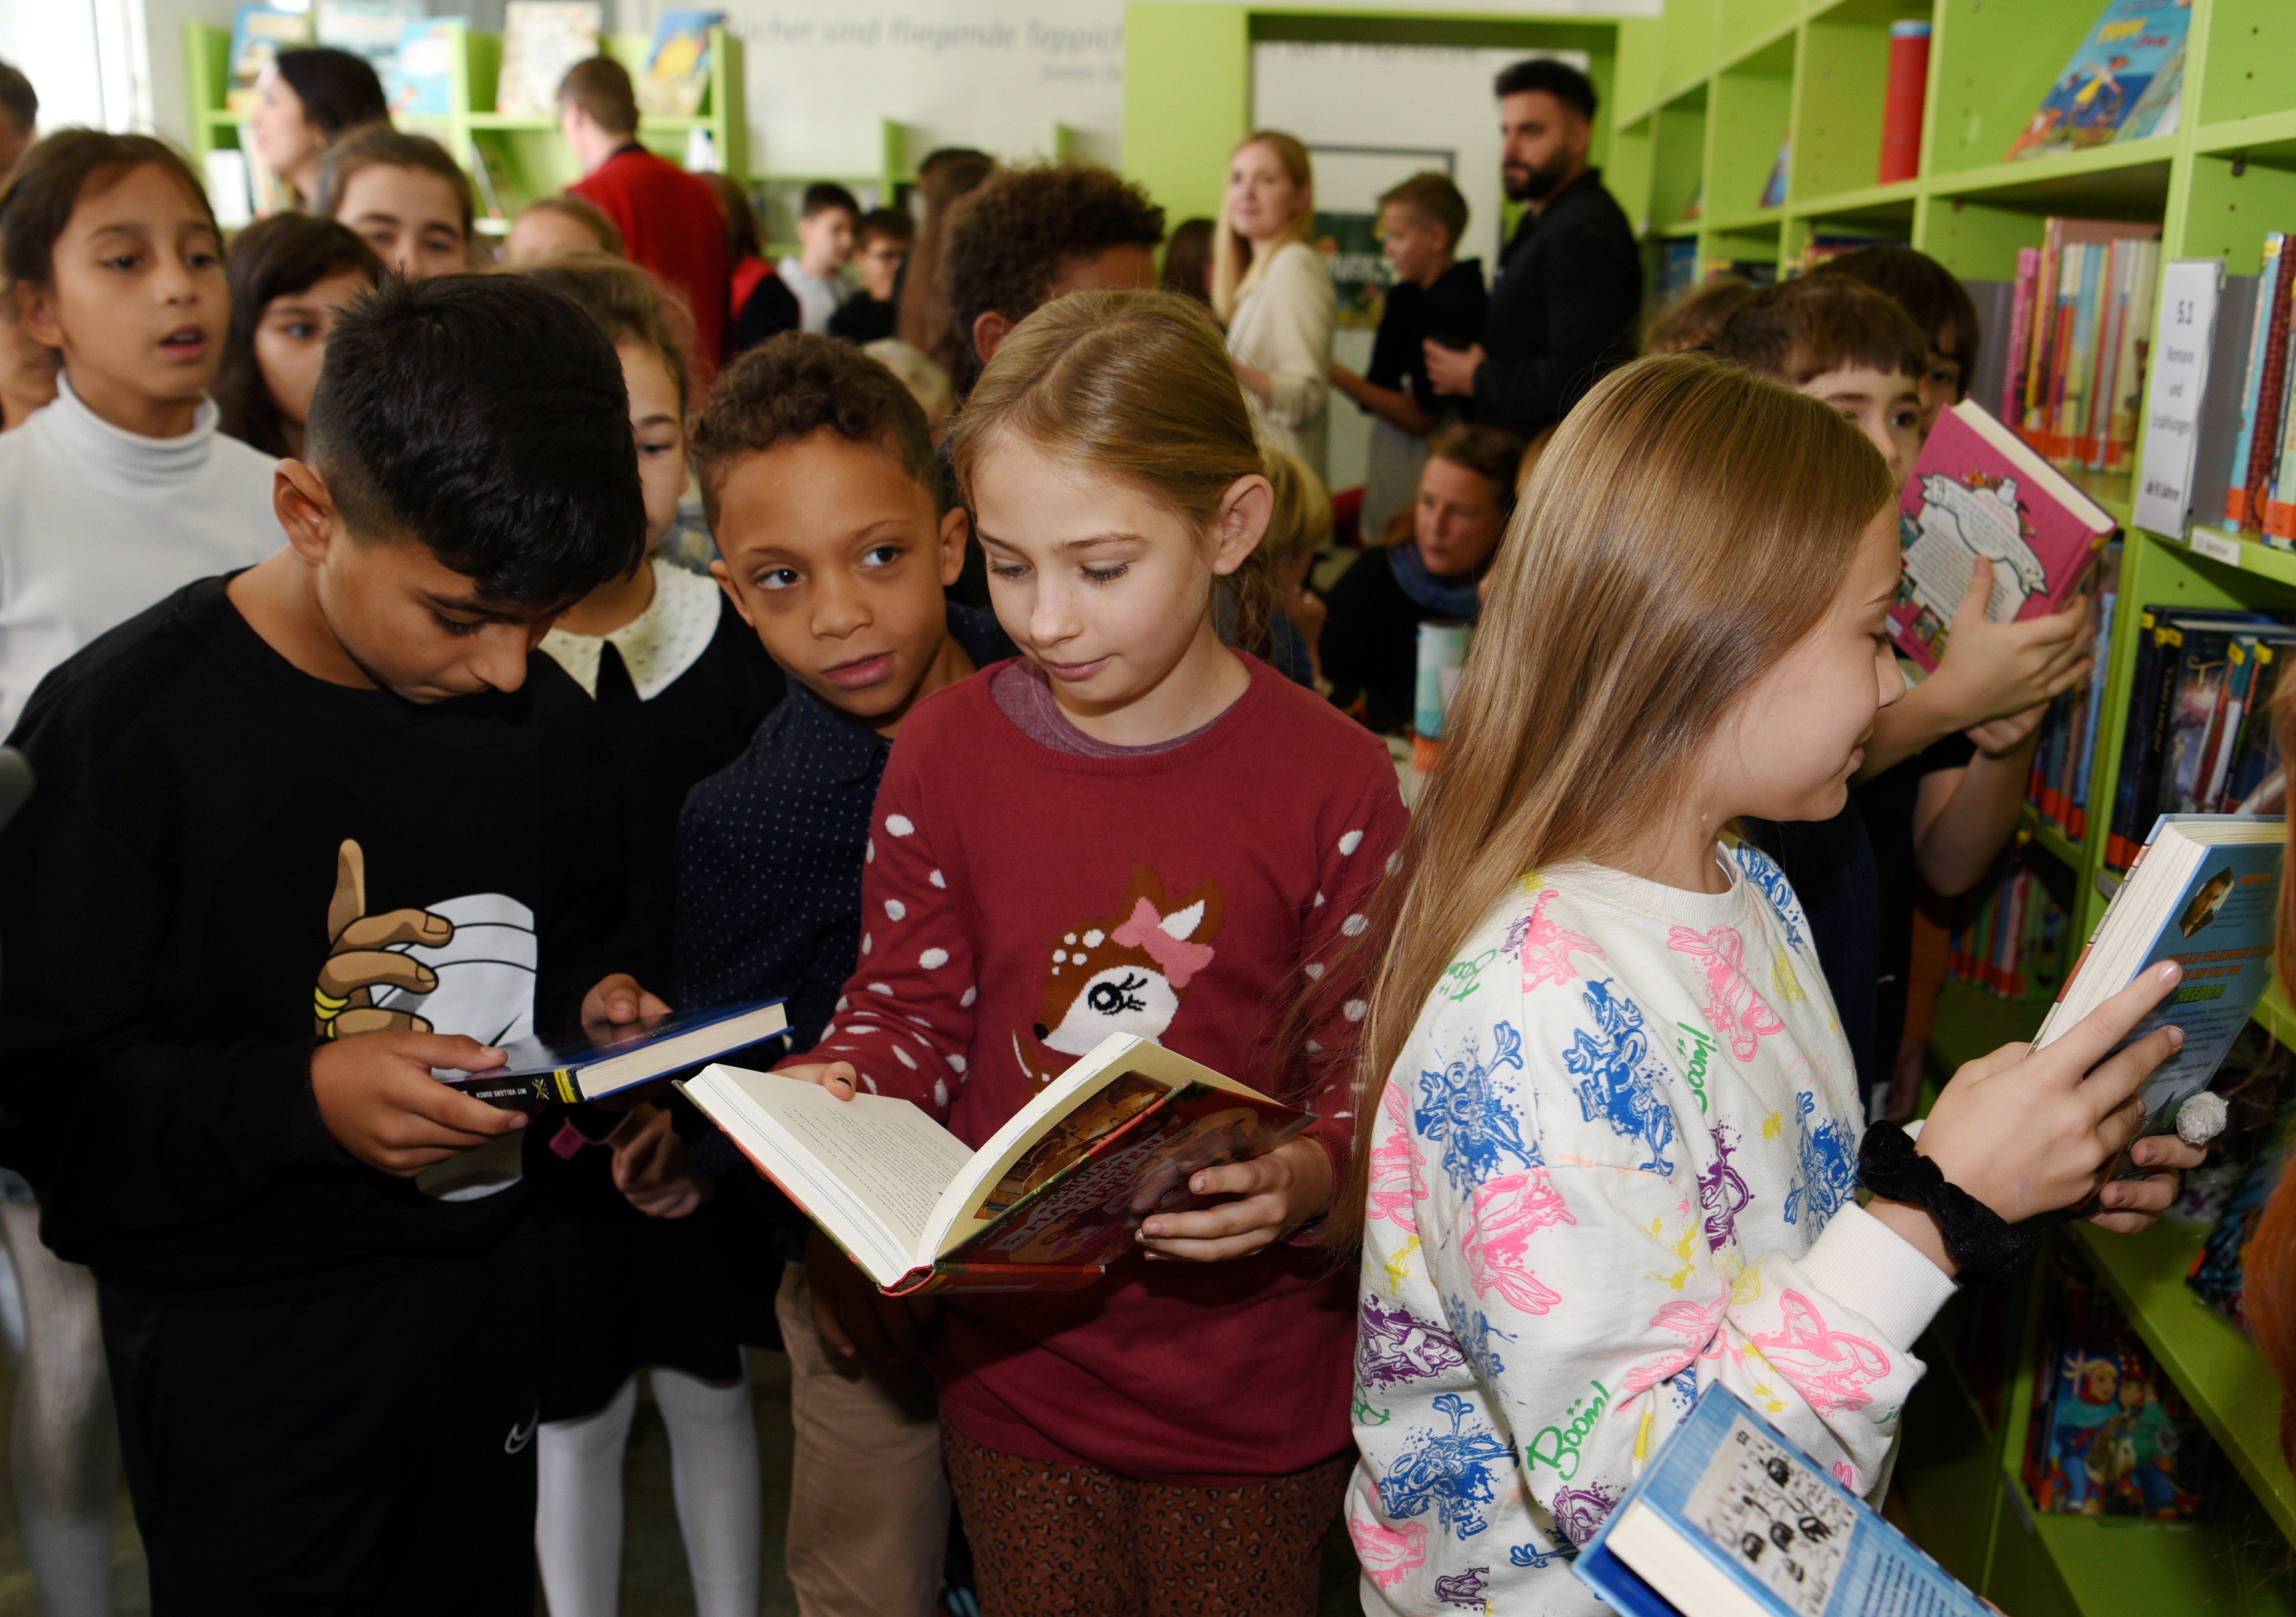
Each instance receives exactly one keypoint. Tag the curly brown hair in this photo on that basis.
(1011, 239)
(796, 385)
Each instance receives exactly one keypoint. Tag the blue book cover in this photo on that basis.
(678, 66)
(2133, 41)
(1730, 1516)
(597, 1061)
(421, 78)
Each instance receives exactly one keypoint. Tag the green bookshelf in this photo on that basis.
(1703, 94)
(525, 156)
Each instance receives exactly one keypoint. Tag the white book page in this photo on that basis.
(884, 1157)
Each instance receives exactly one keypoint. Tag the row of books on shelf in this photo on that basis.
(410, 51)
(2198, 738)
(2011, 943)
(2258, 500)
(2066, 757)
(2080, 327)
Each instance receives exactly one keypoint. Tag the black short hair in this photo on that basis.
(890, 222)
(800, 383)
(1558, 79)
(484, 415)
(1015, 234)
(39, 196)
(339, 91)
(18, 99)
(825, 194)
(274, 257)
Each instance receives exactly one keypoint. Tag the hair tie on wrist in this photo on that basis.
(1983, 1245)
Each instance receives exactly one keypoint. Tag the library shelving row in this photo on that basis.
(1704, 97)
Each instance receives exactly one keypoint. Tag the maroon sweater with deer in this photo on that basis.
(1019, 905)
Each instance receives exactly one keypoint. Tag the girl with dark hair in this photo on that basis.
(288, 276)
(305, 99)
(763, 305)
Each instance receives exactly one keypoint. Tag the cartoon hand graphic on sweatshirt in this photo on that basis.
(360, 959)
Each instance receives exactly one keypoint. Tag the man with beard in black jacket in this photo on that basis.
(1565, 303)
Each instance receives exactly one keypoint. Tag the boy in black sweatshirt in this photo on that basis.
(303, 834)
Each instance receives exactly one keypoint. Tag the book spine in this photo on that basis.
(2063, 320)
(2264, 447)
(1901, 105)
(2127, 403)
(2103, 654)
(2111, 303)
(2044, 325)
(2252, 386)
(2021, 335)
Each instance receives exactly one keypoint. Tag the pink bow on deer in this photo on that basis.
(1178, 959)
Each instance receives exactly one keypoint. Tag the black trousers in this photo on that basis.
(366, 1452)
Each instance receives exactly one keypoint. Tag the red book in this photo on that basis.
(1901, 109)
(1978, 490)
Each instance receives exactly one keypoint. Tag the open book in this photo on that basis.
(1047, 1204)
(1730, 1520)
(2203, 892)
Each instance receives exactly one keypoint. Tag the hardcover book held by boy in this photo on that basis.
(598, 1062)
(2133, 42)
(1046, 1204)
(1978, 490)
(2203, 892)
(1729, 1517)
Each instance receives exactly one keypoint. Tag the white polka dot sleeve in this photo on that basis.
(906, 1020)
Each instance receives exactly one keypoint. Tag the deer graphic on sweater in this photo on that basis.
(1126, 973)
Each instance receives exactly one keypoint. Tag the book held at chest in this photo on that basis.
(1978, 492)
(1048, 1202)
(1730, 1520)
(602, 1060)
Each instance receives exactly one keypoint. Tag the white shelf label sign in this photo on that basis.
(2216, 547)
(2179, 366)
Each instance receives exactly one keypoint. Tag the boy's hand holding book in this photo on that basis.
(378, 1099)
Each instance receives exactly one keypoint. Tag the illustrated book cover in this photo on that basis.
(584, 1066)
(259, 33)
(1730, 1520)
(2104, 86)
(1048, 1202)
(541, 40)
(678, 67)
(1978, 490)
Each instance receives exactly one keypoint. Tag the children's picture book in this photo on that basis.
(259, 33)
(541, 40)
(1978, 490)
(421, 82)
(1047, 1204)
(2110, 1435)
(2133, 42)
(372, 28)
(1730, 1518)
(2204, 890)
(594, 1062)
(678, 67)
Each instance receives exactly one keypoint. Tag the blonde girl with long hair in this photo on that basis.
(1612, 1135)
(1130, 827)
(1271, 288)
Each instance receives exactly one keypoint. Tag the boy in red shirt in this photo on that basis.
(669, 218)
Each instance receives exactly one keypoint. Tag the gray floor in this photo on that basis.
(654, 1582)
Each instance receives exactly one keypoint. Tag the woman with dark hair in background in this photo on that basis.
(288, 276)
(1188, 260)
(305, 99)
(763, 305)
(925, 323)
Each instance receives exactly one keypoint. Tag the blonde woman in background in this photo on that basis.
(1271, 289)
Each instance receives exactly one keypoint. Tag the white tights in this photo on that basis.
(65, 1452)
(713, 1469)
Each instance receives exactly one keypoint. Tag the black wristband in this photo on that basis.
(1984, 1247)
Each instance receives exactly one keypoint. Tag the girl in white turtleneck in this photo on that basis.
(112, 498)
(122, 491)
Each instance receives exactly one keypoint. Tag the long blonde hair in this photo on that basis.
(1234, 268)
(1135, 387)
(1690, 525)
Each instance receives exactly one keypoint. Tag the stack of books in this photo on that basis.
(2199, 737)
(2079, 330)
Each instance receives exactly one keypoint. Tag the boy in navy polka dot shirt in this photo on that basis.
(818, 473)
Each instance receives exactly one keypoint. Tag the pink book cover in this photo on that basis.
(2020, 333)
(1978, 490)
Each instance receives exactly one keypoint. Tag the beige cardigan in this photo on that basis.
(1282, 325)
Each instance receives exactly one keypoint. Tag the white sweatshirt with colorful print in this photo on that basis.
(1614, 1163)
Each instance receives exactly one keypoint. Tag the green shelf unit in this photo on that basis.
(525, 154)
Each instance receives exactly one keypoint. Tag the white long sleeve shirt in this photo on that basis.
(97, 524)
(1615, 1163)
(1282, 325)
